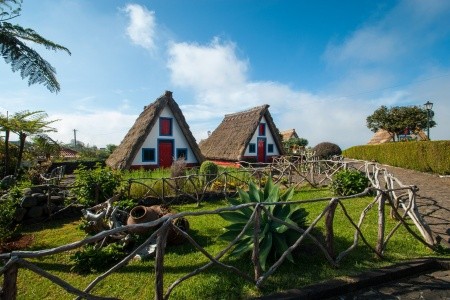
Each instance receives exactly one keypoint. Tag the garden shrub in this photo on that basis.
(8, 207)
(209, 169)
(97, 182)
(90, 259)
(275, 237)
(423, 156)
(177, 170)
(349, 182)
(327, 150)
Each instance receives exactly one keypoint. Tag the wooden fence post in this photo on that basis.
(329, 237)
(381, 225)
(163, 190)
(9, 290)
(255, 253)
(159, 260)
(129, 188)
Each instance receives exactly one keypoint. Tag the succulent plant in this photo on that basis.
(275, 237)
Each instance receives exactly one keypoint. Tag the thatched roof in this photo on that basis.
(380, 137)
(229, 141)
(288, 134)
(123, 155)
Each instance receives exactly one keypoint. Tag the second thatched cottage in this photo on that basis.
(249, 135)
(159, 135)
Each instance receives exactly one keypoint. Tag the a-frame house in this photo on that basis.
(159, 135)
(249, 135)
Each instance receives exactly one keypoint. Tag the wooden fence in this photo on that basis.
(388, 191)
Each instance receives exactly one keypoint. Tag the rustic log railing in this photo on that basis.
(290, 171)
(388, 191)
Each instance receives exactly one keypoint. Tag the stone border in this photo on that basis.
(336, 287)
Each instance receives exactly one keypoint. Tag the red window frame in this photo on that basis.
(165, 126)
(262, 129)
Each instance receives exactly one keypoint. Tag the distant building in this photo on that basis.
(67, 153)
(289, 134)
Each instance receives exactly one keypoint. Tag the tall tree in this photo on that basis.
(15, 50)
(28, 123)
(398, 119)
(6, 127)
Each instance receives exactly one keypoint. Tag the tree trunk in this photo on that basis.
(6, 153)
(22, 138)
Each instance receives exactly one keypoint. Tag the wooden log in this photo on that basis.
(381, 225)
(159, 261)
(9, 289)
(329, 236)
(255, 253)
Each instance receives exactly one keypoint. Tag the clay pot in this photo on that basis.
(173, 236)
(141, 214)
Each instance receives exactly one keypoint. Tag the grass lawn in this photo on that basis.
(136, 280)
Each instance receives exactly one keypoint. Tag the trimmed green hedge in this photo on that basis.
(424, 156)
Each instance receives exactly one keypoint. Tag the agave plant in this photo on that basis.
(274, 237)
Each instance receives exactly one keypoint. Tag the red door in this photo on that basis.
(165, 151)
(261, 150)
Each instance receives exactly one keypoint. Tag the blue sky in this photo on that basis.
(322, 66)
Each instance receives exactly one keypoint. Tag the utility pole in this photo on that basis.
(75, 137)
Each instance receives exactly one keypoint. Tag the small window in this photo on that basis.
(165, 126)
(148, 154)
(270, 148)
(252, 148)
(262, 129)
(182, 153)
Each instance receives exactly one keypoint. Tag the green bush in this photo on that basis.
(90, 259)
(348, 182)
(8, 207)
(209, 169)
(327, 150)
(101, 182)
(423, 156)
(275, 237)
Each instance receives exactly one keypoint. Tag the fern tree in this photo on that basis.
(6, 127)
(28, 123)
(15, 50)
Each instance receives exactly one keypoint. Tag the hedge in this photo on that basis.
(424, 156)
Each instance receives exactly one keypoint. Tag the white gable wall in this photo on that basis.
(152, 141)
(269, 140)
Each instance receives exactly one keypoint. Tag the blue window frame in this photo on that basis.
(252, 148)
(182, 152)
(148, 155)
(270, 148)
(165, 126)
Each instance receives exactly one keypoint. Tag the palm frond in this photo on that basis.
(26, 60)
(10, 9)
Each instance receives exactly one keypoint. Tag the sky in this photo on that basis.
(322, 66)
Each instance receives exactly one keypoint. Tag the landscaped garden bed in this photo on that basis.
(204, 267)
(136, 280)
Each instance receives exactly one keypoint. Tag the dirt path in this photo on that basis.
(433, 199)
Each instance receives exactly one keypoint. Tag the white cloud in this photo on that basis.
(221, 85)
(408, 28)
(96, 128)
(206, 67)
(365, 46)
(141, 29)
